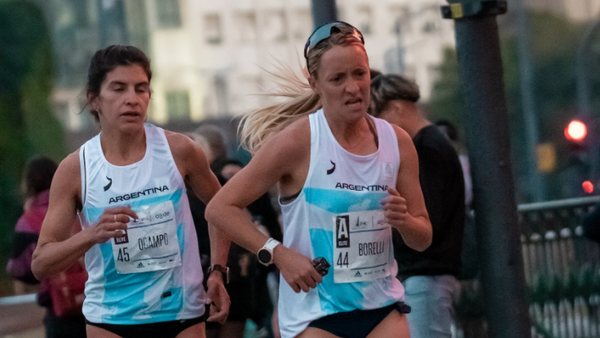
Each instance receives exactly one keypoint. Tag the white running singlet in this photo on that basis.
(338, 216)
(153, 272)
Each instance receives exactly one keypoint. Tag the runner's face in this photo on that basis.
(124, 97)
(343, 81)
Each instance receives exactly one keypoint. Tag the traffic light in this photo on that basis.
(576, 131)
(577, 135)
(588, 187)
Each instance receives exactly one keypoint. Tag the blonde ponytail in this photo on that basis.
(300, 100)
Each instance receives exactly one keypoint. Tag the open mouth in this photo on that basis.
(131, 114)
(354, 102)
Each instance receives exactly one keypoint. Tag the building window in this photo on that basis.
(212, 29)
(300, 30)
(433, 72)
(168, 13)
(364, 19)
(274, 26)
(246, 23)
(178, 105)
(400, 21)
(61, 111)
(430, 20)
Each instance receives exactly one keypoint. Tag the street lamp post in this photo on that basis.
(497, 224)
(323, 11)
(583, 92)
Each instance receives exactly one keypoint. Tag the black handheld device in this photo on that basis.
(321, 265)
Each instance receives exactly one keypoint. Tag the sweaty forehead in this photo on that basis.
(344, 58)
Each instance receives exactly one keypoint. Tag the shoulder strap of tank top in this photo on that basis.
(371, 124)
(83, 171)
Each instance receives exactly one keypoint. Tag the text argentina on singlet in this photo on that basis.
(138, 194)
(358, 187)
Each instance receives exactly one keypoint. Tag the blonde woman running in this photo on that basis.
(345, 179)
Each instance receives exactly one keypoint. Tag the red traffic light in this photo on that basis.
(588, 187)
(576, 131)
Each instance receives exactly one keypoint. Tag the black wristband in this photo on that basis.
(222, 269)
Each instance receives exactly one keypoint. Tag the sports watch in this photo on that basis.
(265, 254)
(222, 269)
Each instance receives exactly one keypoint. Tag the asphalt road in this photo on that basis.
(21, 317)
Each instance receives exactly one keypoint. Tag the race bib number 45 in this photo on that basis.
(150, 242)
(361, 246)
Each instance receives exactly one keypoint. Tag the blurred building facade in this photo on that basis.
(578, 10)
(210, 57)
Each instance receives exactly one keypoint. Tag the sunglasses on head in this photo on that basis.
(325, 31)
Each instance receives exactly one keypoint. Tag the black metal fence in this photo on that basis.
(562, 270)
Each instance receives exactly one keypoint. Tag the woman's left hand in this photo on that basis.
(395, 210)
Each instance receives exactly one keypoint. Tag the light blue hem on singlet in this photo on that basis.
(336, 201)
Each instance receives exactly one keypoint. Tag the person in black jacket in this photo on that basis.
(247, 288)
(591, 224)
(429, 277)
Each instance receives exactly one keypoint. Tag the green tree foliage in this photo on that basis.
(554, 42)
(445, 97)
(27, 124)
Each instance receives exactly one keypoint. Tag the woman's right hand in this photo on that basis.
(112, 224)
(297, 269)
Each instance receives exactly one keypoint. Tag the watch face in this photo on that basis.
(264, 256)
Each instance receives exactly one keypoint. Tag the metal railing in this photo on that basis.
(562, 270)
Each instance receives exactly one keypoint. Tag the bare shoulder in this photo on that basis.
(284, 158)
(69, 166)
(401, 135)
(67, 179)
(183, 148)
(291, 142)
(406, 147)
(179, 143)
(188, 157)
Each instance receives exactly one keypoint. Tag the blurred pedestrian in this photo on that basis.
(471, 319)
(591, 224)
(451, 131)
(339, 173)
(138, 237)
(429, 276)
(215, 138)
(35, 186)
(248, 287)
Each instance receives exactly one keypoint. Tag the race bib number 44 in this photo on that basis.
(150, 242)
(361, 246)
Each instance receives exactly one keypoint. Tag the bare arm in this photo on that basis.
(405, 208)
(194, 167)
(281, 159)
(57, 249)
